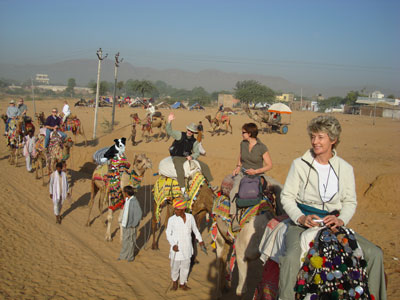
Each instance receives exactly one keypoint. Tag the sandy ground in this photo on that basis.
(42, 260)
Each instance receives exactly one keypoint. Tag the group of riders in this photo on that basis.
(318, 194)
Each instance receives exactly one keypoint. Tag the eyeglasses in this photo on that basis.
(54, 111)
(243, 132)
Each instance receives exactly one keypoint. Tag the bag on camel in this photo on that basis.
(250, 191)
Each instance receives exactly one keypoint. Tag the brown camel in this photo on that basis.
(73, 124)
(40, 118)
(14, 140)
(260, 118)
(99, 183)
(200, 208)
(58, 153)
(157, 122)
(217, 122)
(135, 121)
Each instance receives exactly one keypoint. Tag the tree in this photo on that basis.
(104, 87)
(248, 91)
(391, 96)
(144, 87)
(70, 87)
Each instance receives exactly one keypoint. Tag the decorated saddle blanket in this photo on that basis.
(334, 268)
(71, 125)
(166, 189)
(224, 118)
(221, 208)
(113, 183)
(12, 134)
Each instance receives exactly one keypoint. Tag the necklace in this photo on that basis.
(327, 180)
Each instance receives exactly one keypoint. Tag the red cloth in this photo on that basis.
(267, 289)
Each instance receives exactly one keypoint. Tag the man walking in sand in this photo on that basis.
(59, 190)
(179, 235)
(131, 216)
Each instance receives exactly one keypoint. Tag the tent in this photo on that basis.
(196, 106)
(280, 108)
(177, 105)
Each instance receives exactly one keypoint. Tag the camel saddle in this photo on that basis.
(167, 168)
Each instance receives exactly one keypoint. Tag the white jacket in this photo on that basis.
(302, 186)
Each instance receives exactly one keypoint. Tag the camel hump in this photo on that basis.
(100, 171)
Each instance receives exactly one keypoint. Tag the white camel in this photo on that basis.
(246, 243)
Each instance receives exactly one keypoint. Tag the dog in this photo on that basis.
(116, 150)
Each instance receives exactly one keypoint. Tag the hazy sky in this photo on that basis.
(316, 42)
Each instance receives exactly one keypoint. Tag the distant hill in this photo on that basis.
(85, 70)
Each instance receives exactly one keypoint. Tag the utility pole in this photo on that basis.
(117, 62)
(99, 54)
(33, 97)
(301, 99)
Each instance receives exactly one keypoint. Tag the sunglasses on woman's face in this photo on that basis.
(243, 132)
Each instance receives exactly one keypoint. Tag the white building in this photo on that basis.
(377, 94)
(42, 78)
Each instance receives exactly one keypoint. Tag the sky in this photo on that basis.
(324, 43)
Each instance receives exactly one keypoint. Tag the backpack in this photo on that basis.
(250, 191)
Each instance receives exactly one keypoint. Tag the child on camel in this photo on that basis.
(179, 235)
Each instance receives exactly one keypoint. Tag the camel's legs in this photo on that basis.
(109, 223)
(222, 249)
(94, 190)
(242, 268)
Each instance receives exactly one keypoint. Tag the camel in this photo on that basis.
(217, 122)
(260, 118)
(139, 166)
(57, 154)
(201, 206)
(246, 243)
(157, 122)
(72, 123)
(14, 140)
(40, 118)
(135, 121)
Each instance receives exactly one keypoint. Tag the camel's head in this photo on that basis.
(142, 162)
(135, 118)
(208, 117)
(4, 117)
(68, 142)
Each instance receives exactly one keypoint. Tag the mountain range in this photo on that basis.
(85, 70)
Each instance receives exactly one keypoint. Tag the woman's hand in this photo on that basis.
(251, 172)
(333, 222)
(236, 171)
(308, 221)
(171, 117)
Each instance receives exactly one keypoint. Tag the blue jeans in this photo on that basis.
(47, 138)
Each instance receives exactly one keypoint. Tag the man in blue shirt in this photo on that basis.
(53, 124)
(12, 113)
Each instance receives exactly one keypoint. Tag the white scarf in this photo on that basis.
(125, 212)
(58, 186)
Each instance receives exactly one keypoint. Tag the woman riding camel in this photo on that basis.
(185, 147)
(320, 187)
(254, 159)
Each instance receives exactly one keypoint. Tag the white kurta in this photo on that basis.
(59, 189)
(179, 233)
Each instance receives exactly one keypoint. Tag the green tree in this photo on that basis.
(329, 103)
(70, 87)
(391, 96)
(144, 87)
(248, 91)
(104, 87)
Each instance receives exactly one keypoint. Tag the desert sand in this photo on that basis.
(40, 259)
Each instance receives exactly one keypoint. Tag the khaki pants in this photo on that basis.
(180, 173)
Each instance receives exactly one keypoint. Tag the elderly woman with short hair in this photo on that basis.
(319, 183)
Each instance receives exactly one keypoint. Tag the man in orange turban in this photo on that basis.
(179, 229)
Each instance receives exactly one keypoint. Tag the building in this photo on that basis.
(288, 97)
(377, 100)
(61, 88)
(42, 78)
(227, 100)
(377, 94)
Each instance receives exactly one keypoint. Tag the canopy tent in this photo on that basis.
(280, 108)
(177, 105)
(196, 106)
